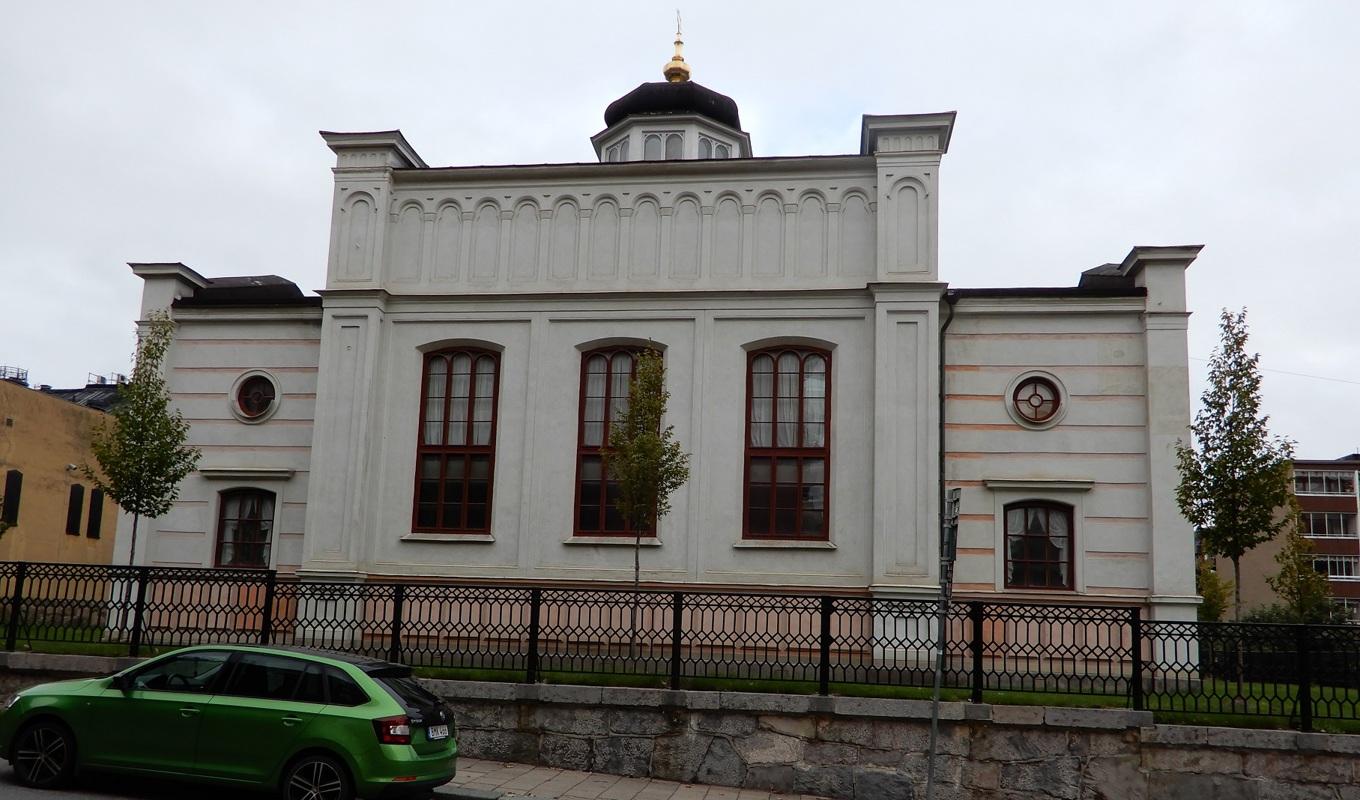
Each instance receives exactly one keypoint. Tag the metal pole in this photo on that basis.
(949, 516)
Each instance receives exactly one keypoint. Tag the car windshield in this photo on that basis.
(409, 693)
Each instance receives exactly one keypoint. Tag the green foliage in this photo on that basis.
(643, 458)
(141, 446)
(1216, 591)
(1239, 475)
(1305, 593)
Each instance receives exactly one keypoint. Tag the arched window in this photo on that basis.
(675, 147)
(720, 151)
(788, 414)
(1038, 545)
(652, 148)
(606, 376)
(245, 528)
(705, 147)
(455, 455)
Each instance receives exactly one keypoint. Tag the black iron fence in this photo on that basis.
(832, 643)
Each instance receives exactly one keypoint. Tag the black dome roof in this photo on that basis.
(681, 97)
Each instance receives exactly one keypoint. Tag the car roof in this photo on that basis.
(365, 664)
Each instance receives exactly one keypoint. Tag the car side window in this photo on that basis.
(268, 677)
(194, 672)
(343, 690)
(312, 689)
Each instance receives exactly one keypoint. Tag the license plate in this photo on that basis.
(436, 732)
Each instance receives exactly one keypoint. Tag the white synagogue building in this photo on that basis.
(437, 413)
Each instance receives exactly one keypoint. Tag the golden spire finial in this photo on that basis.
(676, 70)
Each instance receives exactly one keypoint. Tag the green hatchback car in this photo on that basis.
(308, 724)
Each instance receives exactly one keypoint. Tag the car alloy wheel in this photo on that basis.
(317, 778)
(44, 753)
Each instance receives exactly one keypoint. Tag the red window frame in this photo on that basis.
(1047, 567)
(598, 505)
(768, 460)
(436, 511)
(260, 540)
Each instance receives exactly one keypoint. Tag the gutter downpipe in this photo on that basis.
(946, 580)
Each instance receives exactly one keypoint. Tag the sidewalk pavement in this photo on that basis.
(489, 780)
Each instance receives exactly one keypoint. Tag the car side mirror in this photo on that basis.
(122, 683)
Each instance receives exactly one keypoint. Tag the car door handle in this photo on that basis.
(189, 711)
(291, 720)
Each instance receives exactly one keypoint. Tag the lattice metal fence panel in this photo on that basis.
(1063, 649)
(1334, 656)
(750, 637)
(348, 617)
(605, 631)
(895, 643)
(77, 604)
(466, 627)
(186, 606)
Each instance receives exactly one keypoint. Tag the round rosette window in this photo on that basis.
(1036, 401)
(255, 397)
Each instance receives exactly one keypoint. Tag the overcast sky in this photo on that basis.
(187, 132)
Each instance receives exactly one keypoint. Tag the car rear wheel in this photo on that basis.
(317, 777)
(44, 755)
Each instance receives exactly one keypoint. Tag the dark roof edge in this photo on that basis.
(1050, 291)
(311, 301)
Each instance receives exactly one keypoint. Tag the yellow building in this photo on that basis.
(55, 513)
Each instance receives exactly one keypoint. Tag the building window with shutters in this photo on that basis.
(606, 376)
(75, 505)
(788, 434)
(245, 528)
(455, 454)
(9, 501)
(95, 523)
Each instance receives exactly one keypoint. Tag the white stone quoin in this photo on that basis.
(709, 255)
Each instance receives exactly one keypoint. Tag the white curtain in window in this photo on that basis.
(814, 401)
(482, 407)
(787, 433)
(458, 399)
(762, 400)
(436, 385)
(593, 432)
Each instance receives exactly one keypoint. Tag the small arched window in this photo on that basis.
(245, 528)
(606, 377)
(720, 151)
(457, 446)
(1038, 545)
(652, 147)
(675, 147)
(788, 451)
(705, 147)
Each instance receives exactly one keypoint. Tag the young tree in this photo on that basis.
(1215, 591)
(644, 459)
(1233, 485)
(141, 446)
(1304, 592)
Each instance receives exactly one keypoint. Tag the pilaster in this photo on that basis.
(908, 149)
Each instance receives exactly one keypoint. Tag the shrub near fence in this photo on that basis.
(777, 641)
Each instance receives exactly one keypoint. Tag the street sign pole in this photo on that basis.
(949, 541)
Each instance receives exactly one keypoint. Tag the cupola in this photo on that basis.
(671, 120)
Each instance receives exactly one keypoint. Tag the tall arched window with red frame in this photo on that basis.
(456, 451)
(788, 435)
(606, 376)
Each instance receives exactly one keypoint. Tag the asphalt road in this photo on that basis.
(118, 786)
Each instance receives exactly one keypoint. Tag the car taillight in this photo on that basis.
(393, 730)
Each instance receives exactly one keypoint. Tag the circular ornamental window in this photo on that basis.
(255, 397)
(1036, 400)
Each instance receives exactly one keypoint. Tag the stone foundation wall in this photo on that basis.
(868, 749)
(861, 749)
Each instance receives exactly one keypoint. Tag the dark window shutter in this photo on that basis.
(14, 485)
(96, 521)
(73, 509)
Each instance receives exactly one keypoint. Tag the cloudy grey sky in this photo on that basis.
(182, 131)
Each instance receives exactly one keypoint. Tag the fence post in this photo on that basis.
(1304, 639)
(398, 606)
(975, 647)
(677, 616)
(138, 610)
(824, 659)
(267, 613)
(531, 665)
(1136, 657)
(15, 601)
